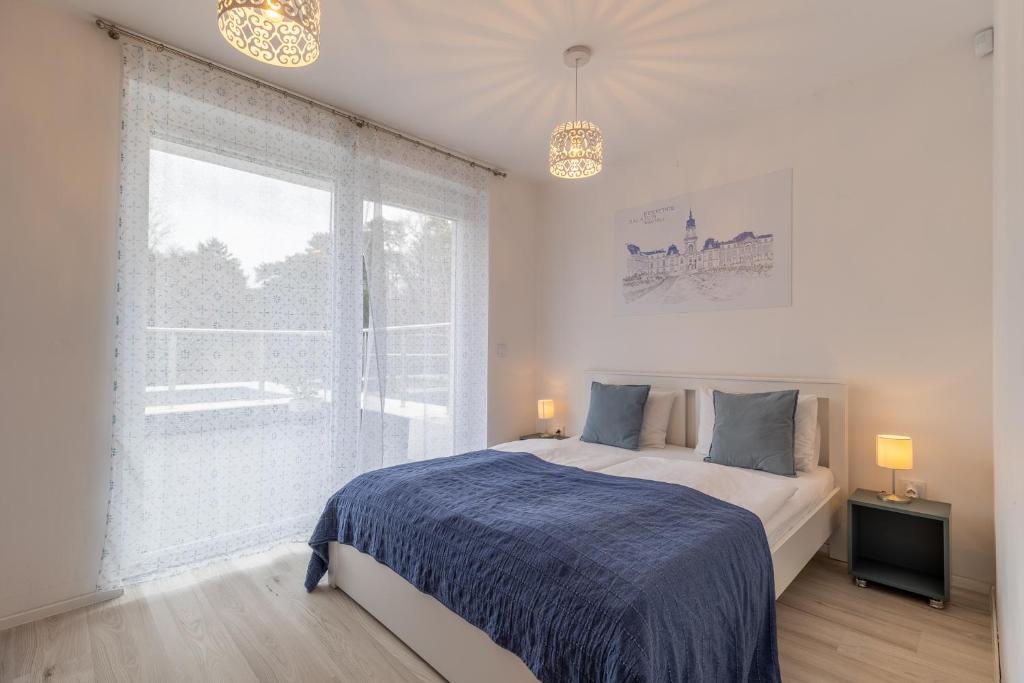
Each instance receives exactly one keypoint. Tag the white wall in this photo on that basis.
(1008, 332)
(891, 276)
(59, 123)
(512, 399)
(59, 127)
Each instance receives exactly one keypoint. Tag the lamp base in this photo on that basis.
(893, 498)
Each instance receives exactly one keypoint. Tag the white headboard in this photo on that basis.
(832, 402)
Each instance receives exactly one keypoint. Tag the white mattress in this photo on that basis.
(780, 502)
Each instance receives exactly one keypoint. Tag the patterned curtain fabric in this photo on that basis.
(299, 300)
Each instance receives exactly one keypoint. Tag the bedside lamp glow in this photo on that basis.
(896, 453)
(545, 411)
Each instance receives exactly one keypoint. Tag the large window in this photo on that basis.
(240, 297)
(298, 301)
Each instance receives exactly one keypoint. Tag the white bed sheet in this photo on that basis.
(780, 502)
(573, 452)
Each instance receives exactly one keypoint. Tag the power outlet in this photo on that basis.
(912, 488)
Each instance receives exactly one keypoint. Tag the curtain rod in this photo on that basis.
(115, 31)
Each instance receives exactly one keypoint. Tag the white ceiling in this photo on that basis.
(486, 77)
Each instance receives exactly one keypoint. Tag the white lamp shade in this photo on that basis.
(894, 452)
(545, 409)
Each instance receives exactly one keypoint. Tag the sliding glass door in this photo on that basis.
(298, 301)
(408, 384)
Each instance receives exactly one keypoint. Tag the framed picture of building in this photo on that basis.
(721, 248)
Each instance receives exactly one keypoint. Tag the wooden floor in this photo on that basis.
(251, 620)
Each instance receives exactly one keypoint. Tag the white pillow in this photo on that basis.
(657, 411)
(806, 433)
(705, 420)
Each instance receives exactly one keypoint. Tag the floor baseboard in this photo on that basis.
(967, 583)
(962, 582)
(53, 608)
(997, 671)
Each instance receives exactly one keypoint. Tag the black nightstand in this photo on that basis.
(542, 435)
(904, 546)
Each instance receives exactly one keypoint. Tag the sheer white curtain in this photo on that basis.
(425, 254)
(299, 300)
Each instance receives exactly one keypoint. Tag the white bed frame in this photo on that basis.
(461, 652)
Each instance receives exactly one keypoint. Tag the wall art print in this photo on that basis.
(725, 247)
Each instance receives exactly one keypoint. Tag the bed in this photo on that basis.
(796, 524)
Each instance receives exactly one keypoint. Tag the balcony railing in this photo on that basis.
(212, 367)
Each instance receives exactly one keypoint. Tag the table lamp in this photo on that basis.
(545, 411)
(896, 453)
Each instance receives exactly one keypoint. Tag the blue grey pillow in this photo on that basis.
(755, 431)
(615, 415)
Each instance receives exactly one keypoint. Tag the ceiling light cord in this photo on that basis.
(576, 148)
(577, 88)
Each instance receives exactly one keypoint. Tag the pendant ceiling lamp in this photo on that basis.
(278, 32)
(576, 146)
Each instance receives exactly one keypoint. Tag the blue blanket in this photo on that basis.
(585, 576)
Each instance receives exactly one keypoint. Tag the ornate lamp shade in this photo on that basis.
(279, 32)
(576, 150)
